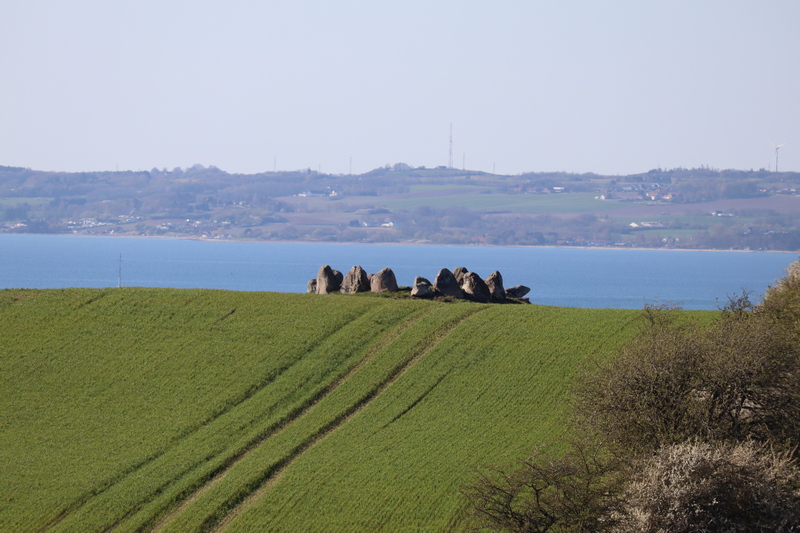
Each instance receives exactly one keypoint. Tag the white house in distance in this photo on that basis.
(646, 225)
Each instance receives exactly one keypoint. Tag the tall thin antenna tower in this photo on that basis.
(450, 161)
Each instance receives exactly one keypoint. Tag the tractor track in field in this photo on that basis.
(86, 498)
(215, 522)
(219, 525)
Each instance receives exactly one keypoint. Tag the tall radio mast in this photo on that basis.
(450, 161)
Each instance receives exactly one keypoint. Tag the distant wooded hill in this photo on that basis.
(684, 208)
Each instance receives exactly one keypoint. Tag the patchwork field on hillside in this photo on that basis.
(197, 410)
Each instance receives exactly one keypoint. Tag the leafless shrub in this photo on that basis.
(568, 492)
(702, 487)
(738, 303)
(738, 378)
(658, 315)
(646, 396)
(703, 423)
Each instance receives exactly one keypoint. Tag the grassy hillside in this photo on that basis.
(197, 410)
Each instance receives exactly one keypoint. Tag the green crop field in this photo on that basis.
(479, 199)
(198, 410)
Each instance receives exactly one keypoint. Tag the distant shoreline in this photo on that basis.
(257, 241)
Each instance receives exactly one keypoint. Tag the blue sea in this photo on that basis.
(574, 277)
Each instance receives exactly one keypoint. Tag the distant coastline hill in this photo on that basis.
(699, 208)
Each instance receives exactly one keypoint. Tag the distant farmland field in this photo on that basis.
(479, 199)
(197, 410)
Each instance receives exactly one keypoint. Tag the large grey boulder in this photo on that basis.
(475, 288)
(383, 281)
(422, 288)
(459, 274)
(355, 281)
(517, 291)
(327, 280)
(495, 284)
(446, 284)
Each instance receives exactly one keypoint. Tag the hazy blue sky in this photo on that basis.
(612, 87)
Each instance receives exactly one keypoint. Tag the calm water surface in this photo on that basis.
(557, 276)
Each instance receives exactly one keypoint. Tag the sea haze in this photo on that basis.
(574, 277)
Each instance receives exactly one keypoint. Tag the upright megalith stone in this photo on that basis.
(383, 281)
(495, 284)
(459, 274)
(355, 281)
(517, 291)
(327, 281)
(422, 288)
(475, 288)
(446, 283)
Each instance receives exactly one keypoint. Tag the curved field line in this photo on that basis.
(293, 416)
(275, 473)
(146, 461)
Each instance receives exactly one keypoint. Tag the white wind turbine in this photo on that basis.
(778, 147)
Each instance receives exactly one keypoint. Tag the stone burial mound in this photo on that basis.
(459, 284)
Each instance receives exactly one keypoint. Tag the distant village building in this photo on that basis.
(646, 225)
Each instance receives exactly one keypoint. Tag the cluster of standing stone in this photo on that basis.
(460, 283)
(357, 280)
